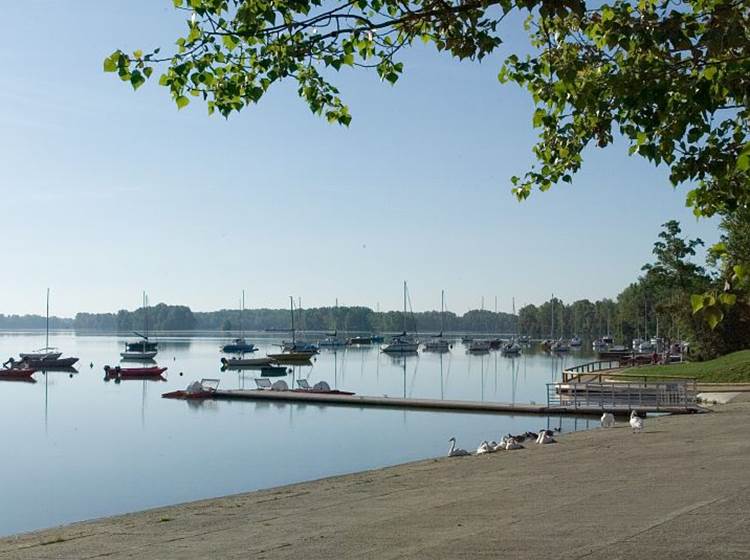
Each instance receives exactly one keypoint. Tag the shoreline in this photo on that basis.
(676, 490)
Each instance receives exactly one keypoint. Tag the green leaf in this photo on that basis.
(696, 301)
(727, 298)
(110, 63)
(713, 316)
(182, 101)
(137, 79)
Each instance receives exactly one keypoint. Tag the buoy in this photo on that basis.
(180, 373)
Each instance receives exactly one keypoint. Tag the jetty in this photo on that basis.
(565, 406)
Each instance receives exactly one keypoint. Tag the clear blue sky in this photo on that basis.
(106, 192)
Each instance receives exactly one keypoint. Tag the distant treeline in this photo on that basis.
(8, 322)
(163, 317)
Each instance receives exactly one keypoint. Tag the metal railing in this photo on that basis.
(617, 395)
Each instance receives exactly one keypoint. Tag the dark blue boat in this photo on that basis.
(238, 346)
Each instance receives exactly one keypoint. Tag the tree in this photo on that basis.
(671, 77)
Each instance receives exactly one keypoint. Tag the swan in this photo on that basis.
(485, 447)
(512, 444)
(453, 452)
(636, 422)
(499, 446)
(545, 436)
(608, 420)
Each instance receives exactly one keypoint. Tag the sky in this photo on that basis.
(108, 192)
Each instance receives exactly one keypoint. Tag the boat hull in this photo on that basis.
(138, 355)
(17, 373)
(51, 364)
(134, 372)
(247, 363)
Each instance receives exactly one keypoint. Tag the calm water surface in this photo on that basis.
(77, 447)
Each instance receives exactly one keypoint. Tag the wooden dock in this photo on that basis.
(400, 403)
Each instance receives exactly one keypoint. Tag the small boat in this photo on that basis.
(142, 346)
(401, 345)
(50, 364)
(117, 371)
(16, 373)
(438, 343)
(511, 349)
(236, 363)
(360, 340)
(48, 353)
(479, 346)
(297, 346)
(575, 342)
(496, 343)
(273, 371)
(136, 356)
(238, 346)
(332, 342)
(203, 389)
(377, 339)
(559, 346)
(292, 357)
(142, 349)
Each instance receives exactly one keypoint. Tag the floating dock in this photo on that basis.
(400, 403)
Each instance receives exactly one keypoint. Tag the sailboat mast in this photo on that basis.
(242, 309)
(145, 315)
(442, 311)
(552, 327)
(404, 306)
(46, 340)
(291, 308)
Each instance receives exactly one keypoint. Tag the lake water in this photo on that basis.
(77, 447)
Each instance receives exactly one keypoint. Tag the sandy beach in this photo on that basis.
(678, 490)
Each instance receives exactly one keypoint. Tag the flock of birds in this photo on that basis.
(543, 437)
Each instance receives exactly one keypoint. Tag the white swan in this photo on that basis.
(636, 422)
(545, 437)
(512, 444)
(453, 452)
(500, 446)
(484, 447)
(608, 420)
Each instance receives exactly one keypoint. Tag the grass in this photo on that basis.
(732, 368)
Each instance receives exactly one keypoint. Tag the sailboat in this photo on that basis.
(47, 357)
(403, 343)
(143, 349)
(239, 345)
(438, 343)
(333, 340)
(294, 351)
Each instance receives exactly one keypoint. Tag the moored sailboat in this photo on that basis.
(402, 343)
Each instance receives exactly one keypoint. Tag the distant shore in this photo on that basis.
(677, 490)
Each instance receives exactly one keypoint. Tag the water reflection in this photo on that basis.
(103, 439)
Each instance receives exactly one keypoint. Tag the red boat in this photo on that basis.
(16, 373)
(141, 372)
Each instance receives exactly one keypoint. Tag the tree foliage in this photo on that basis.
(671, 76)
